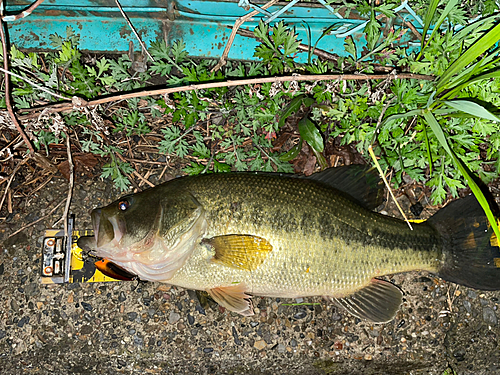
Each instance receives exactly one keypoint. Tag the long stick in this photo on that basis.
(70, 188)
(60, 107)
(8, 103)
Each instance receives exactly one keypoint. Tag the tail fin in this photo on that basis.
(470, 247)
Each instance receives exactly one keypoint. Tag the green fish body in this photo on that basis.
(236, 235)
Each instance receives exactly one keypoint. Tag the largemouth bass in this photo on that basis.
(236, 235)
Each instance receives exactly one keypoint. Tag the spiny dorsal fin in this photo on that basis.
(358, 181)
(241, 251)
(378, 302)
(233, 298)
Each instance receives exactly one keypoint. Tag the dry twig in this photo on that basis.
(23, 14)
(60, 107)
(70, 188)
(10, 181)
(8, 102)
(38, 220)
(240, 21)
(133, 30)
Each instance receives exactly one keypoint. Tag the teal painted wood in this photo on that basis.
(202, 25)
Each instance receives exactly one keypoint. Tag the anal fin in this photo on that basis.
(378, 302)
(233, 298)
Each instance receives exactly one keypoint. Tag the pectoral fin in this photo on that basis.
(233, 298)
(239, 251)
(378, 302)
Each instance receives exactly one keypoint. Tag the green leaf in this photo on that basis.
(474, 51)
(428, 148)
(438, 132)
(190, 119)
(397, 116)
(293, 107)
(472, 108)
(456, 89)
(310, 133)
(292, 153)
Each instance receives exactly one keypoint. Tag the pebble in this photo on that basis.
(368, 357)
(131, 316)
(374, 333)
(336, 317)
(237, 340)
(467, 306)
(472, 294)
(489, 316)
(122, 297)
(138, 341)
(2, 334)
(208, 350)
(259, 345)
(300, 315)
(173, 317)
(23, 321)
(87, 306)
(281, 348)
(293, 343)
(190, 319)
(254, 324)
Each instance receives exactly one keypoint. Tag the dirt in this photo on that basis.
(137, 328)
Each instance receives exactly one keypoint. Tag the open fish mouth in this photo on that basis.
(107, 230)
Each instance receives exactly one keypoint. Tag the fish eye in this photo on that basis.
(123, 205)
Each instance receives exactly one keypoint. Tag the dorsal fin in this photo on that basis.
(358, 181)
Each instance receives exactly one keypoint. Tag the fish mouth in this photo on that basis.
(107, 230)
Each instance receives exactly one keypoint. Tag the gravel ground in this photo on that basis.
(152, 328)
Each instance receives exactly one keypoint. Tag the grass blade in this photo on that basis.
(397, 116)
(457, 89)
(428, 19)
(474, 51)
(438, 132)
(472, 108)
(379, 169)
(428, 147)
(452, 4)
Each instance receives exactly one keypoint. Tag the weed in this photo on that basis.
(436, 132)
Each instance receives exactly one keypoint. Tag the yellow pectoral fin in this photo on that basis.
(239, 251)
(233, 298)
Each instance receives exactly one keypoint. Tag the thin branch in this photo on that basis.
(38, 220)
(8, 103)
(134, 31)
(24, 13)
(60, 107)
(240, 21)
(70, 188)
(10, 181)
(34, 84)
(413, 30)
